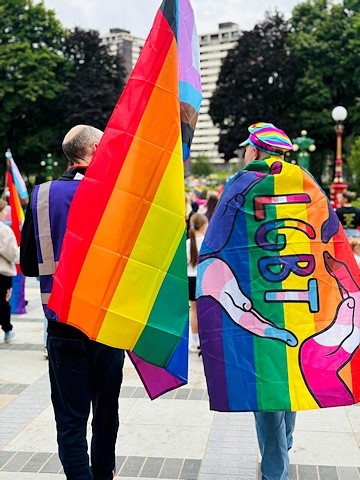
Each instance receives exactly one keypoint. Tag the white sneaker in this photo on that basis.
(193, 347)
(9, 336)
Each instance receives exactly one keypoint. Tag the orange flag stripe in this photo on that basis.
(118, 138)
(134, 191)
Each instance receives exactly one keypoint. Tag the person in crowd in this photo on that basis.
(348, 214)
(191, 207)
(84, 375)
(211, 202)
(9, 256)
(355, 247)
(198, 226)
(274, 429)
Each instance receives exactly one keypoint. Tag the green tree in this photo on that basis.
(201, 166)
(255, 84)
(293, 74)
(93, 83)
(96, 81)
(325, 41)
(31, 66)
(354, 159)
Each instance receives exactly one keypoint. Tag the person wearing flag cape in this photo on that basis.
(278, 299)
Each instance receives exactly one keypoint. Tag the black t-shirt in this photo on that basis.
(349, 216)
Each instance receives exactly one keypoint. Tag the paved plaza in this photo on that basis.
(173, 437)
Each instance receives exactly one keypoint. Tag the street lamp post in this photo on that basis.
(338, 114)
(49, 163)
(304, 145)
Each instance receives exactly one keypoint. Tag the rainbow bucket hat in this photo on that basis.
(268, 138)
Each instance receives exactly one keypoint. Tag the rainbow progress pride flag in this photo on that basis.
(278, 296)
(17, 178)
(18, 197)
(12, 184)
(122, 272)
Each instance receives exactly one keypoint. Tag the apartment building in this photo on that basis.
(121, 42)
(213, 49)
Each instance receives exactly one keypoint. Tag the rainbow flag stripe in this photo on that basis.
(122, 272)
(278, 296)
(17, 177)
(16, 211)
(18, 197)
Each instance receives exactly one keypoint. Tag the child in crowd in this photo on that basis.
(197, 229)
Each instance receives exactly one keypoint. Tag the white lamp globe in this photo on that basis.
(339, 113)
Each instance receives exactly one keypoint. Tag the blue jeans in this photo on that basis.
(274, 432)
(85, 373)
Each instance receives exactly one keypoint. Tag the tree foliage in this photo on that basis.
(255, 84)
(50, 79)
(31, 64)
(201, 166)
(293, 74)
(325, 42)
(96, 81)
(354, 159)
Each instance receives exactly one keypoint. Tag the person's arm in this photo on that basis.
(28, 252)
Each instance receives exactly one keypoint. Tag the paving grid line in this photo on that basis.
(22, 346)
(217, 437)
(126, 392)
(126, 466)
(168, 468)
(15, 319)
(231, 450)
(15, 416)
(12, 388)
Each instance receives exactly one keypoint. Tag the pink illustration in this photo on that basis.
(322, 356)
(237, 305)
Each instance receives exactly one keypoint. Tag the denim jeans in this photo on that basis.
(274, 431)
(84, 374)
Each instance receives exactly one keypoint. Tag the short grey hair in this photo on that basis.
(77, 146)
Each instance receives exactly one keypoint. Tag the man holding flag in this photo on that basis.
(82, 371)
(113, 287)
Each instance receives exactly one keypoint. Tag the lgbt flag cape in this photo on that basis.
(122, 274)
(278, 296)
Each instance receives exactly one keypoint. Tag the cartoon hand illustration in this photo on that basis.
(239, 308)
(323, 355)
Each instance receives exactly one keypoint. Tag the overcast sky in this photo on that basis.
(138, 15)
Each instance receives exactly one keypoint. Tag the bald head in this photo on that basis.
(80, 143)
